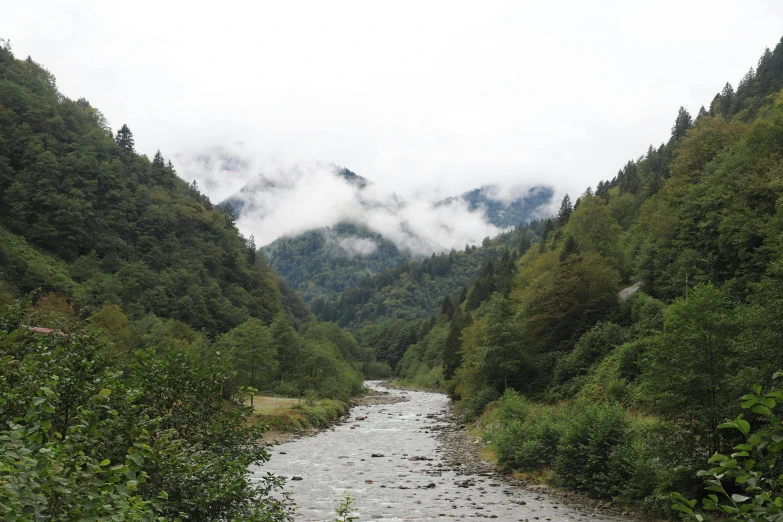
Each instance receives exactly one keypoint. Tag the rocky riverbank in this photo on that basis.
(462, 452)
(369, 398)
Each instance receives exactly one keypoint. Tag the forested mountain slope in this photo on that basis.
(159, 318)
(416, 289)
(321, 263)
(112, 226)
(697, 221)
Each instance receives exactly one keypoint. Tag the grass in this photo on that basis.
(287, 414)
(267, 405)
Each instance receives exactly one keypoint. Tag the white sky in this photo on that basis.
(424, 97)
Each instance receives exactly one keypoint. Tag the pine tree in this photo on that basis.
(681, 124)
(726, 99)
(565, 211)
(447, 306)
(124, 139)
(524, 244)
(157, 161)
(229, 213)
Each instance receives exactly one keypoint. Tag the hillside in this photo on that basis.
(589, 386)
(322, 262)
(84, 215)
(417, 289)
(157, 320)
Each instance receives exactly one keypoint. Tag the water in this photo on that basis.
(396, 486)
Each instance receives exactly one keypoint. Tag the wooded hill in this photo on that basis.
(646, 381)
(320, 264)
(161, 320)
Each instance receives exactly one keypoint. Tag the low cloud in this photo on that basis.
(356, 246)
(288, 199)
(291, 200)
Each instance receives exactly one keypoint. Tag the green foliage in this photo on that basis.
(80, 439)
(691, 374)
(746, 484)
(472, 407)
(83, 215)
(345, 509)
(591, 447)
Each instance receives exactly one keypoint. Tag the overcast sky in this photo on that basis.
(429, 97)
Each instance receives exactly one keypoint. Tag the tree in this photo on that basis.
(726, 99)
(690, 378)
(158, 161)
(228, 212)
(565, 211)
(124, 139)
(501, 350)
(253, 354)
(681, 124)
(567, 301)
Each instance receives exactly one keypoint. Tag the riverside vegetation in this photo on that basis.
(154, 319)
(623, 399)
(164, 318)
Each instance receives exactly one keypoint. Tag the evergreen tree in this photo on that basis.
(524, 244)
(157, 161)
(565, 211)
(681, 124)
(447, 306)
(726, 99)
(228, 212)
(502, 358)
(124, 139)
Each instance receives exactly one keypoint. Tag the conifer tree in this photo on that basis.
(124, 139)
(157, 161)
(682, 124)
(565, 210)
(726, 99)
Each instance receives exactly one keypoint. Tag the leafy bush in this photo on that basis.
(80, 439)
(747, 484)
(529, 445)
(474, 405)
(589, 443)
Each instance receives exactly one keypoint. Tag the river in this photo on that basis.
(401, 482)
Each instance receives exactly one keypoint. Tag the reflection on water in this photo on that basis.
(406, 479)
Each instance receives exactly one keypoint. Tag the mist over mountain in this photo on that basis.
(287, 201)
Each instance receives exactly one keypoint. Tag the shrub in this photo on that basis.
(530, 445)
(589, 442)
(474, 405)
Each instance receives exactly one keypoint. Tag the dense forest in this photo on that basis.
(320, 264)
(602, 349)
(624, 397)
(416, 289)
(135, 321)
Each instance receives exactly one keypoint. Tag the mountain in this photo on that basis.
(321, 262)
(506, 212)
(587, 383)
(82, 214)
(417, 289)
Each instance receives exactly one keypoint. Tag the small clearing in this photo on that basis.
(267, 405)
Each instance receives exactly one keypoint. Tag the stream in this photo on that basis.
(391, 463)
